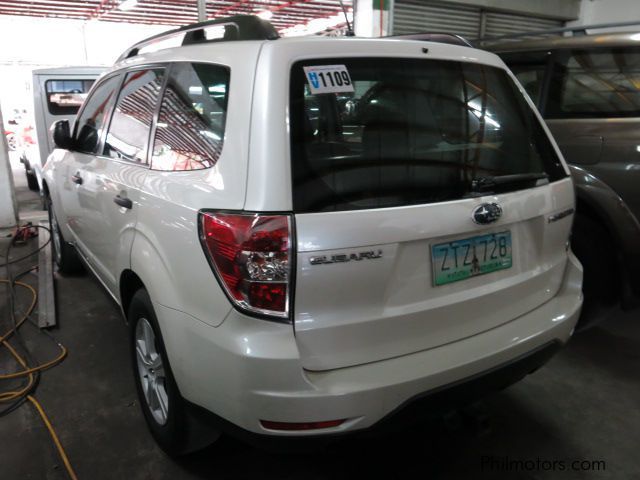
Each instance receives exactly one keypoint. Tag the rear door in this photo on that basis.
(112, 181)
(404, 243)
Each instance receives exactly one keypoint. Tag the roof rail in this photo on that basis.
(238, 27)
(439, 37)
(575, 30)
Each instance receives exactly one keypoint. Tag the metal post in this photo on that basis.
(482, 30)
(202, 10)
(8, 210)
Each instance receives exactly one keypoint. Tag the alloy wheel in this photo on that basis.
(151, 371)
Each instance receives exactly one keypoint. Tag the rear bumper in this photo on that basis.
(247, 370)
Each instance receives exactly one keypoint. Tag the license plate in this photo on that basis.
(469, 257)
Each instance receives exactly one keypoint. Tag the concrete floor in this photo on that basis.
(584, 405)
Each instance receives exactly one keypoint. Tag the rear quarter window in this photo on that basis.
(190, 130)
(595, 83)
(409, 131)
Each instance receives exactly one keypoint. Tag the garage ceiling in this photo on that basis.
(173, 12)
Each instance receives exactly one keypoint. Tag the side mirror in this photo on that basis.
(62, 134)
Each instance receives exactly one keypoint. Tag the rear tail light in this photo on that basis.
(251, 256)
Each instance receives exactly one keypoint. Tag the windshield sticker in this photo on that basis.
(328, 79)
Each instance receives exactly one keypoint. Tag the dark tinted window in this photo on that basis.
(599, 82)
(92, 120)
(131, 121)
(190, 128)
(530, 69)
(410, 132)
(64, 97)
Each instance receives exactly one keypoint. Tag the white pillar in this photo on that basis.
(373, 18)
(202, 10)
(8, 208)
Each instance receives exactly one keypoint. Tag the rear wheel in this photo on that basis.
(594, 247)
(165, 411)
(64, 255)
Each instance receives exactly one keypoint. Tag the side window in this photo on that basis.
(190, 128)
(529, 68)
(92, 120)
(64, 97)
(131, 121)
(597, 83)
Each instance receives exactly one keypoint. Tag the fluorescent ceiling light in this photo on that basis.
(265, 14)
(127, 4)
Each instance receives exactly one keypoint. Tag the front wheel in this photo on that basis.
(165, 411)
(32, 182)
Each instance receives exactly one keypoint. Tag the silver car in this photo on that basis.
(587, 88)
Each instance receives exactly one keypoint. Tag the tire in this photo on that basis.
(64, 255)
(594, 247)
(32, 182)
(171, 423)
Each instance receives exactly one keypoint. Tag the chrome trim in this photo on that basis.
(560, 215)
(345, 257)
(491, 217)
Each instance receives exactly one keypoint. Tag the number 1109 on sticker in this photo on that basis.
(328, 79)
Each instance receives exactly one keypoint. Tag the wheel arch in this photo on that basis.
(128, 284)
(598, 201)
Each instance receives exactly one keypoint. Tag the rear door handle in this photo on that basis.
(76, 179)
(123, 201)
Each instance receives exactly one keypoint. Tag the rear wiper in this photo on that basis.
(481, 184)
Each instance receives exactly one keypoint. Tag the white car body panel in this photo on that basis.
(263, 377)
(366, 336)
(391, 302)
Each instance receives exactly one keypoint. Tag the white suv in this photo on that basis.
(308, 234)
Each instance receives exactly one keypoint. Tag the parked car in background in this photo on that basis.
(587, 87)
(18, 130)
(58, 93)
(12, 140)
(308, 235)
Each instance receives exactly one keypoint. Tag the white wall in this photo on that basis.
(56, 42)
(608, 11)
(28, 43)
(8, 209)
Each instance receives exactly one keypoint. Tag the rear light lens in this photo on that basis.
(251, 256)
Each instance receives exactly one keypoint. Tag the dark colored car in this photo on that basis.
(588, 90)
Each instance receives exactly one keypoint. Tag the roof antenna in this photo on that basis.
(349, 29)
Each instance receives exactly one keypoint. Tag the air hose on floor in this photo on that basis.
(15, 398)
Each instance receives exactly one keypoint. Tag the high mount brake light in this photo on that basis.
(251, 254)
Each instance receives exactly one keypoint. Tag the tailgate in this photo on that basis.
(361, 309)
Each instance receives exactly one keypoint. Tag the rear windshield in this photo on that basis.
(386, 132)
